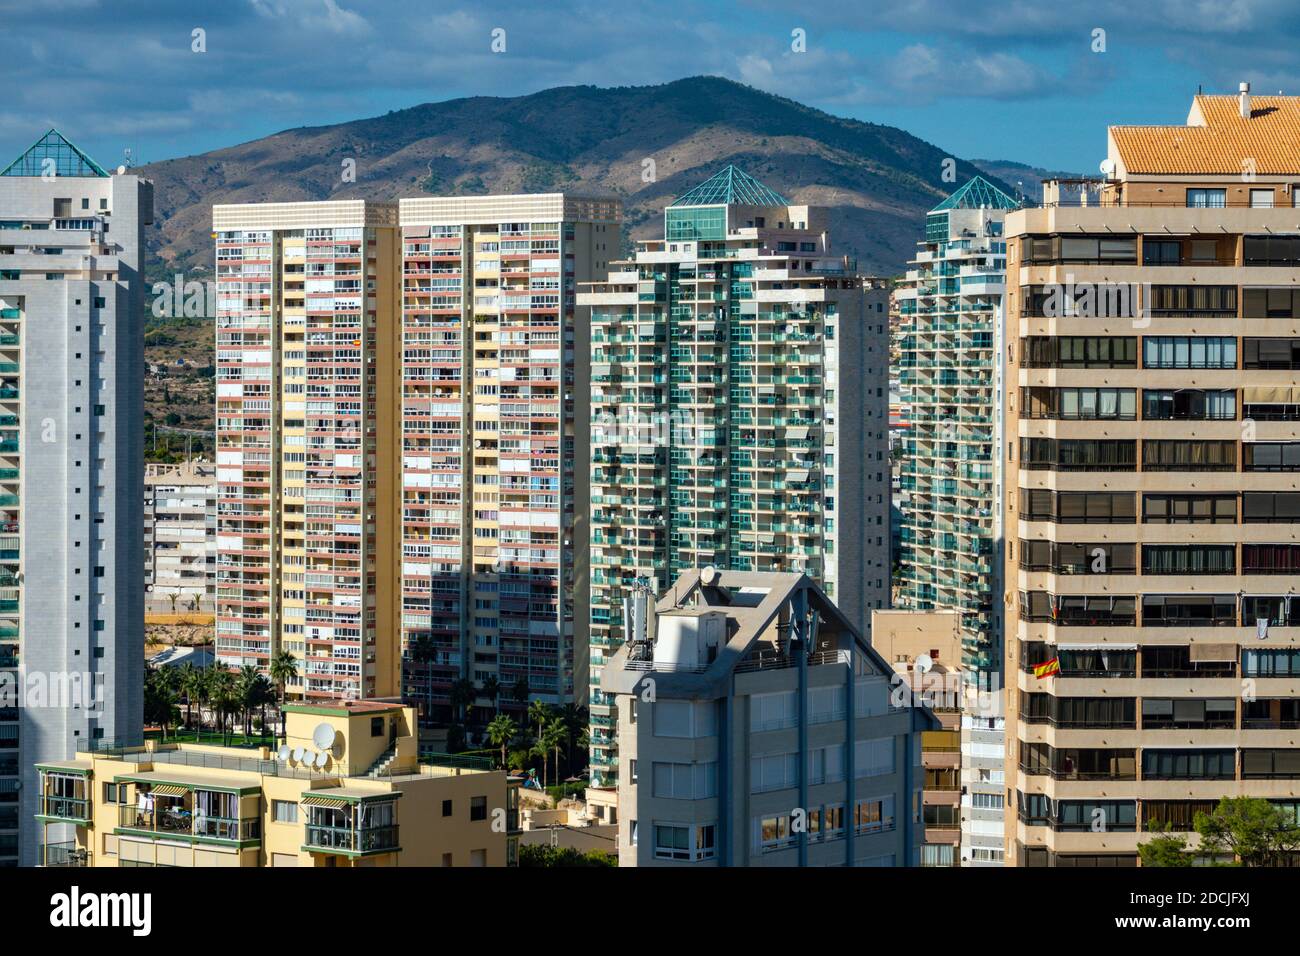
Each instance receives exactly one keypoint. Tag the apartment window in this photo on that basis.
(825, 704)
(1095, 507)
(1043, 351)
(772, 711)
(1198, 198)
(1278, 662)
(1112, 816)
(284, 811)
(1270, 558)
(1180, 455)
(873, 758)
(1184, 351)
(1181, 713)
(1261, 199)
(1165, 661)
(1192, 509)
(1273, 353)
(1275, 714)
(1270, 506)
(1081, 454)
(986, 801)
(1279, 303)
(477, 808)
(1161, 252)
(1279, 610)
(684, 718)
(874, 815)
(773, 772)
(1174, 815)
(826, 764)
(1080, 404)
(1271, 250)
(1189, 610)
(1188, 404)
(1189, 559)
(1191, 764)
(773, 832)
(1216, 301)
(686, 781)
(1270, 456)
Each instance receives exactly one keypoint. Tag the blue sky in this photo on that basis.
(1009, 79)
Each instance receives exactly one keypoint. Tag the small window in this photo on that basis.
(446, 808)
(284, 811)
(477, 808)
(376, 726)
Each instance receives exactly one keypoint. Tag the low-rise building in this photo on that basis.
(348, 787)
(756, 728)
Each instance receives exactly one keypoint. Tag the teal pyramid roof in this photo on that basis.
(978, 193)
(68, 159)
(731, 186)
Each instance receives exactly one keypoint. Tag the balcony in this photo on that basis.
(63, 855)
(343, 839)
(66, 809)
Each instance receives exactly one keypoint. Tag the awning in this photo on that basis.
(331, 803)
(1268, 395)
(1212, 652)
(168, 790)
(1096, 647)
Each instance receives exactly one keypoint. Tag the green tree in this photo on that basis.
(283, 669)
(462, 697)
(544, 855)
(1166, 849)
(553, 737)
(500, 732)
(424, 652)
(539, 712)
(1252, 830)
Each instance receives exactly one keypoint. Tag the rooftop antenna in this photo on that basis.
(130, 159)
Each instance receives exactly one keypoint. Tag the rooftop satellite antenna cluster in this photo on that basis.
(323, 738)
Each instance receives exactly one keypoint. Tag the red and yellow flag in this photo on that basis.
(1048, 668)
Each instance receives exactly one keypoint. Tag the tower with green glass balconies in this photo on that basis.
(739, 412)
(951, 305)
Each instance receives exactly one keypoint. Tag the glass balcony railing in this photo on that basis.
(347, 840)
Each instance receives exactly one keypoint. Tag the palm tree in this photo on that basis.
(553, 740)
(501, 731)
(284, 668)
(160, 698)
(191, 677)
(539, 711)
(223, 692)
(245, 691)
(263, 692)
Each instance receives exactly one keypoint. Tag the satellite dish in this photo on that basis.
(922, 664)
(708, 575)
(308, 758)
(323, 736)
(321, 759)
(297, 753)
(284, 752)
(1108, 167)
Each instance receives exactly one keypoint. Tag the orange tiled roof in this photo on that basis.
(1271, 137)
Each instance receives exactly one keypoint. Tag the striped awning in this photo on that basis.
(168, 790)
(332, 803)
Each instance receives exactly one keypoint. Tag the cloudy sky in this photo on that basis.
(1007, 79)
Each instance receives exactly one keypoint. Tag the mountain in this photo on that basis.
(878, 180)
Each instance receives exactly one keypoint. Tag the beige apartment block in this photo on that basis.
(1153, 421)
(492, 478)
(347, 787)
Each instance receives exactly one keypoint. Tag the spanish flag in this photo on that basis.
(1048, 668)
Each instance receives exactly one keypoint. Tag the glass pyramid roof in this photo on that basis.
(68, 159)
(978, 193)
(730, 187)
